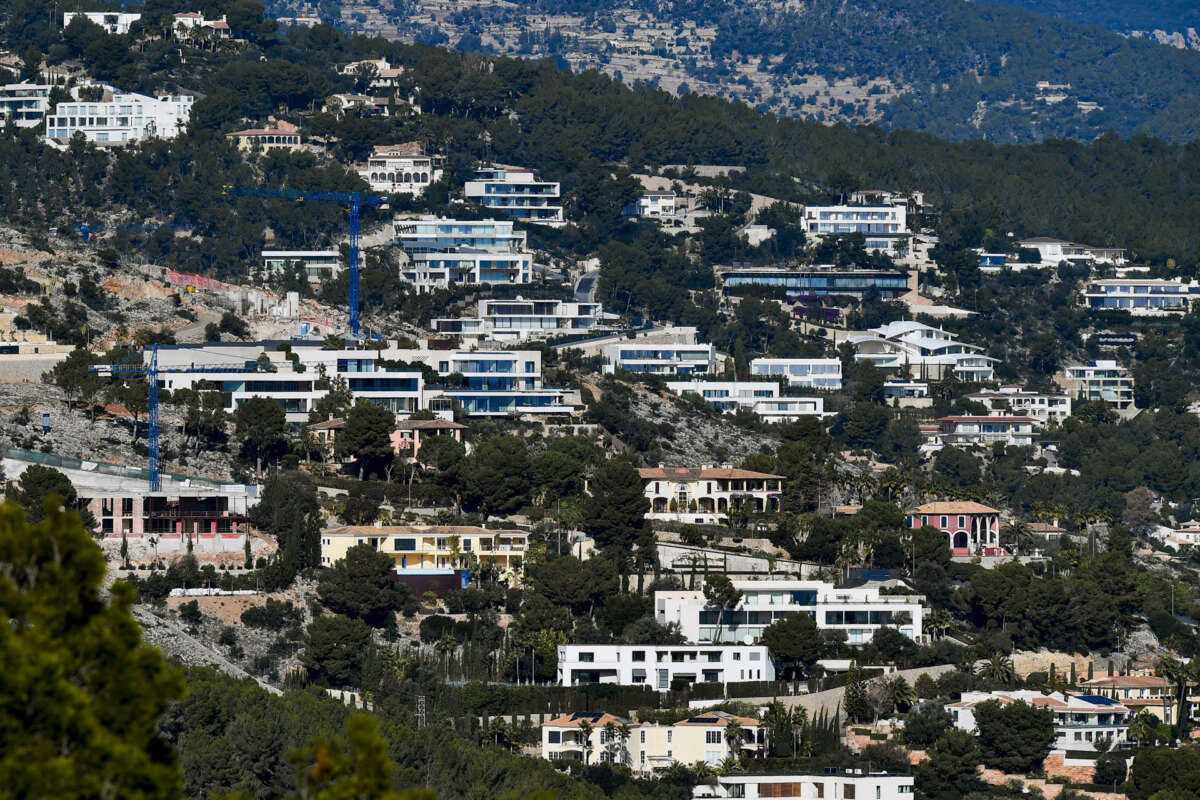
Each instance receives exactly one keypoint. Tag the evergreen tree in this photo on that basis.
(855, 702)
(82, 693)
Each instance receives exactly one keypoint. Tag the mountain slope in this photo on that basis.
(1117, 15)
(953, 68)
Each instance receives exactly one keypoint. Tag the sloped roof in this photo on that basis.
(697, 474)
(597, 719)
(954, 507)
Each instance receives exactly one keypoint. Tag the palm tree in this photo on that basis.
(729, 766)
(999, 669)
(1143, 728)
(1017, 534)
(735, 737)
(585, 739)
(901, 693)
(624, 733)
(938, 620)
(611, 743)
(1182, 675)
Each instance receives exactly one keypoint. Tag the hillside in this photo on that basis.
(1121, 16)
(952, 68)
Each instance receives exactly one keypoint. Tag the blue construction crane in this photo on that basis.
(151, 371)
(354, 199)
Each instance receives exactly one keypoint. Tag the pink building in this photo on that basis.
(409, 433)
(970, 528)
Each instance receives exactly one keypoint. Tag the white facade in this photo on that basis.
(401, 169)
(881, 225)
(515, 192)
(490, 383)
(859, 610)
(595, 737)
(1080, 721)
(758, 397)
(1098, 380)
(661, 359)
(120, 119)
(1055, 251)
(905, 390)
(1144, 297)
(319, 265)
(983, 432)
(801, 373)
(1043, 407)
(295, 386)
(115, 22)
(25, 104)
(658, 665)
(441, 252)
(835, 786)
(704, 496)
(919, 351)
(497, 383)
(520, 319)
(654, 205)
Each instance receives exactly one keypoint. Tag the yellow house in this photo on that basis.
(647, 747)
(1137, 692)
(415, 547)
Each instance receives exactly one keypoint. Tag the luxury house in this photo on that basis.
(705, 495)
(916, 350)
(970, 528)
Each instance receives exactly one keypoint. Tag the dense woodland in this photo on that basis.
(948, 56)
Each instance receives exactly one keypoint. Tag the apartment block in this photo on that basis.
(401, 169)
(521, 320)
(318, 265)
(515, 192)
(1142, 297)
(491, 382)
(801, 373)
(120, 118)
(660, 665)
(1043, 407)
(974, 431)
(1081, 722)
(441, 252)
(296, 383)
(24, 104)
(704, 496)
(1104, 380)
(832, 785)
(884, 227)
(425, 547)
(761, 398)
(859, 611)
(661, 359)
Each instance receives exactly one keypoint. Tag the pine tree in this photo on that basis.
(855, 701)
(83, 694)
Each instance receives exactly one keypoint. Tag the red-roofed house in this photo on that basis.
(283, 136)
(704, 495)
(970, 528)
(1080, 721)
